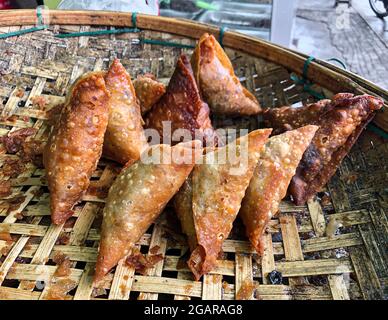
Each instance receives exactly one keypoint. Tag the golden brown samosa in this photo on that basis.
(124, 137)
(340, 122)
(218, 187)
(182, 108)
(183, 208)
(148, 91)
(278, 161)
(75, 144)
(218, 84)
(138, 196)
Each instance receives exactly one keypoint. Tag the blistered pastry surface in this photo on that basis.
(278, 161)
(219, 86)
(124, 137)
(217, 195)
(75, 144)
(135, 199)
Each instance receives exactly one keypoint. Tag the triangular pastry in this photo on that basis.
(182, 108)
(278, 161)
(218, 84)
(75, 144)
(218, 187)
(124, 138)
(148, 91)
(138, 196)
(341, 122)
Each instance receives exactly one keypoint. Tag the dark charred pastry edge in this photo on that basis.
(301, 192)
(313, 173)
(288, 118)
(183, 106)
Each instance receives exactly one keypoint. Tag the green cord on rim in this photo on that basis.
(339, 61)
(134, 29)
(377, 130)
(40, 26)
(222, 34)
(167, 43)
(96, 33)
(39, 15)
(304, 81)
(134, 21)
(306, 66)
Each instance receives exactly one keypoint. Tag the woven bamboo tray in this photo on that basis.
(351, 264)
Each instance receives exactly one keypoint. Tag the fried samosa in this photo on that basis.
(182, 107)
(289, 118)
(278, 161)
(341, 122)
(183, 201)
(124, 137)
(148, 91)
(218, 84)
(218, 187)
(75, 144)
(138, 196)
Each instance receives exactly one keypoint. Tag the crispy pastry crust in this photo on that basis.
(148, 91)
(340, 122)
(136, 198)
(183, 208)
(182, 105)
(218, 84)
(289, 118)
(217, 194)
(277, 164)
(124, 137)
(75, 144)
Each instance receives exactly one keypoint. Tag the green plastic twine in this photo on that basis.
(134, 21)
(222, 34)
(377, 130)
(40, 26)
(134, 29)
(96, 33)
(167, 43)
(304, 81)
(339, 61)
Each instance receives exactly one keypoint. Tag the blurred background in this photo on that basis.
(354, 32)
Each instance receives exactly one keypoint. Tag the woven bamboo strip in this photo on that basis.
(317, 217)
(314, 267)
(212, 287)
(291, 242)
(338, 287)
(167, 285)
(42, 253)
(267, 260)
(183, 276)
(85, 285)
(157, 242)
(11, 257)
(244, 276)
(122, 282)
(368, 280)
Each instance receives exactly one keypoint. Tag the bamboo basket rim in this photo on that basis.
(185, 28)
(319, 71)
